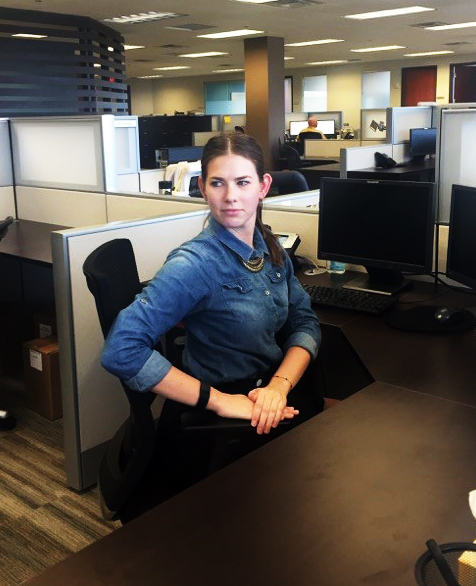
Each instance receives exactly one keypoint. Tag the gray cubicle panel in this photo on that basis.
(400, 120)
(7, 196)
(94, 404)
(456, 145)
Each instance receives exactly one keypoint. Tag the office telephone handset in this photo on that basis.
(384, 161)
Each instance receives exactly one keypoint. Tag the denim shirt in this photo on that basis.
(230, 314)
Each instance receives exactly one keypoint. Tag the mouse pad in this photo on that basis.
(422, 319)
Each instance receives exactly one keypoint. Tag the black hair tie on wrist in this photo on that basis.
(203, 397)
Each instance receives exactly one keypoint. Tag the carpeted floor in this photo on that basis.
(42, 520)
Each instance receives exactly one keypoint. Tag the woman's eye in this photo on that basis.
(216, 183)
(243, 182)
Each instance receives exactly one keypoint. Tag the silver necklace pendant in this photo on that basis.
(255, 265)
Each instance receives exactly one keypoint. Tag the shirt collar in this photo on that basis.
(238, 246)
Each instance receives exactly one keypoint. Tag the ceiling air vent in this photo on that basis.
(457, 43)
(170, 46)
(190, 27)
(428, 24)
(291, 3)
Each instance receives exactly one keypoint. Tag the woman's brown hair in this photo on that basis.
(237, 143)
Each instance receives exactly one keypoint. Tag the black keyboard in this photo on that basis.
(349, 299)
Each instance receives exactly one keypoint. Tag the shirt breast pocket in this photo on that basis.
(241, 299)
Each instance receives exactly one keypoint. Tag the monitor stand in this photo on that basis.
(381, 281)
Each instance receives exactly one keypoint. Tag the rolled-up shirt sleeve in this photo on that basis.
(130, 350)
(302, 326)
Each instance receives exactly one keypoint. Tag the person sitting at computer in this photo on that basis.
(312, 127)
(234, 289)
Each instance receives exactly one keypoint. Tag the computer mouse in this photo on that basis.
(444, 314)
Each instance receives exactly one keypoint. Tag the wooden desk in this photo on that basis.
(29, 240)
(348, 498)
(315, 173)
(424, 171)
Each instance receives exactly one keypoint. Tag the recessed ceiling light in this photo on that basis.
(226, 70)
(321, 42)
(29, 36)
(225, 35)
(129, 47)
(149, 76)
(427, 53)
(445, 27)
(370, 49)
(171, 68)
(335, 62)
(392, 12)
(96, 65)
(288, 58)
(143, 17)
(209, 54)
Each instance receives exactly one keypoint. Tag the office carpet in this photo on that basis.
(42, 520)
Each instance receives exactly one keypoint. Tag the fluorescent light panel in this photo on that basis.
(427, 53)
(320, 42)
(170, 68)
(335, 62)
(226, 70)
(446, 27)
(129, 47)
(209, 54)
(370, 49)
(149, 76)
(228, 34)
(29, 36)
(142, 17)
(392, 12)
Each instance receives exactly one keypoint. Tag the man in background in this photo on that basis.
(312, 127)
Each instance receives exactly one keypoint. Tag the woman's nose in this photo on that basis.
(231, 192)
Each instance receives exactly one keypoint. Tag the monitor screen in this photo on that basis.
(326, 126)
(460, 261)
(422, 142)
(386, 226)
(295, 127)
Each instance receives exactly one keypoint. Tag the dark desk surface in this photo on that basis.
(29, 240)
(420, 171)
(348, 498)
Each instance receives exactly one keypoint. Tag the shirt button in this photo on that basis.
(266, 293)
(259, 382)
(278, 275)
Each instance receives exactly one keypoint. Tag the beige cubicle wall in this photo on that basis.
(7, 201)
(127, 207)
(93, 402)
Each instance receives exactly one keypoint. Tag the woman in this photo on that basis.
(233, 288)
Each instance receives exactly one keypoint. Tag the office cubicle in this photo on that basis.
(400, 120)
(93, 402)
(7, 195)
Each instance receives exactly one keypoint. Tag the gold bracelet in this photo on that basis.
(284, 378)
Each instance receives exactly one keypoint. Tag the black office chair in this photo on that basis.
(7, 421)
(291, 159)
(448, 564)
(130, 477)
(309, 135)
(285, 182)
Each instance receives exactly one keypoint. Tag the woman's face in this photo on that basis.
(233, 191)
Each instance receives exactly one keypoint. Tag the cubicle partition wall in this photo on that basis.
(93, 402)
(456, 146)
(361, 157)
(400, 120)
(7, 193)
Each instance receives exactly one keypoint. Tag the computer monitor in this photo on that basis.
(295, 126)
(422, 142)
(386, 226)
(460, 260)
(327, 127)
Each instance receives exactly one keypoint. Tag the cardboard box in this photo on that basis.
(44, 324)
(42, 377)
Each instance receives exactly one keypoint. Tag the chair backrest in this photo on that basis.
(289, 182)
(291, 155)
(310, 135)
(112, 277)
(4, 226)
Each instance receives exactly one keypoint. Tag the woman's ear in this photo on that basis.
(265, 185)
(201, 187)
